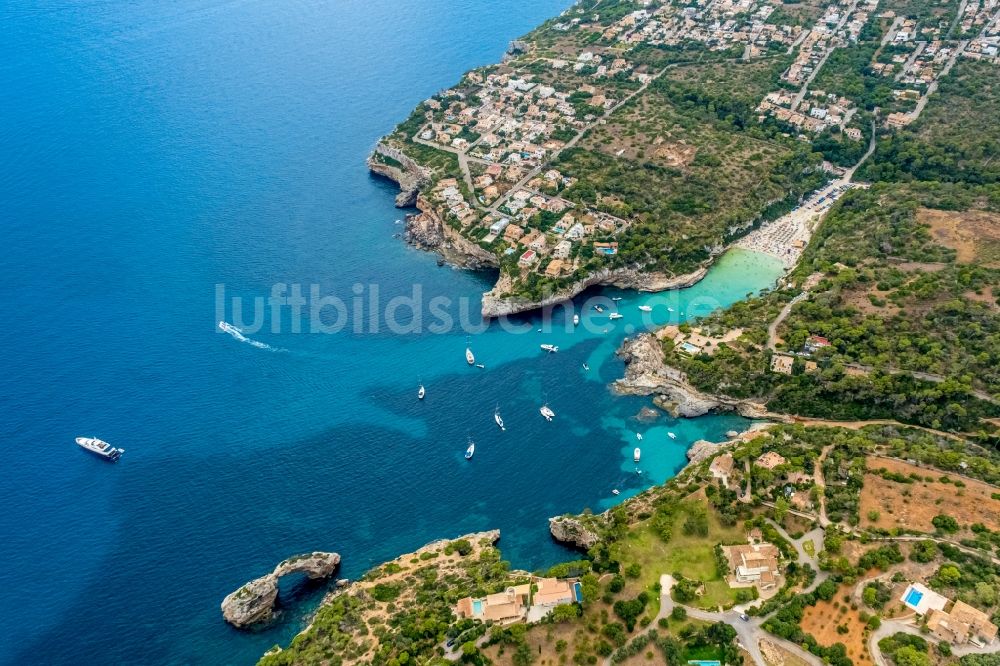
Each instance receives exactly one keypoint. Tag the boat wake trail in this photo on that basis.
(238, 334)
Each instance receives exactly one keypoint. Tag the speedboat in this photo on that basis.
(421, 392)
(616, 492)
(646, 308)
(670, 309)
(546, 412)
(599, 308)
(615, 315)
(100, 448)
(496, 417)
(616, 298)
(552, 349)
(636, 454)
(638, 436)
(671, 435)
(471, 451)
(576, 320)
(586, 367)
(480, 366)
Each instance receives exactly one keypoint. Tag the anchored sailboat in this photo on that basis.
(496, 417)
(471, 451)
(469, 356)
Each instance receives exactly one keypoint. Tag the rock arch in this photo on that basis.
(254, 602)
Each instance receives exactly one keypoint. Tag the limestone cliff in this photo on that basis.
(647, 374)
(402, 170)
(499, 302)
(579, 531)
(428, 231)
(254, 602)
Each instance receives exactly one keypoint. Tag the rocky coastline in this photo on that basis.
(427, 231)
(496, 304)
(647, 374)
(392, 164)
(254, 602)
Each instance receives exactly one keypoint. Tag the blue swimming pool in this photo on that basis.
(578, 591)
(913, 597)
(477, 606)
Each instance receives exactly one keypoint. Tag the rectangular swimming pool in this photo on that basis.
(913, 597)
(477, 606)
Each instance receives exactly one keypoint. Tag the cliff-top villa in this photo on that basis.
(519, 602)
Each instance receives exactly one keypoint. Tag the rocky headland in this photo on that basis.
(498, 302)
(428, 231)
(402, 170)
(254, 602)
(647, 374)
(578, 531)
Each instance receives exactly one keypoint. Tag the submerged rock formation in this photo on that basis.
(577, 531)
(647, 374)
(254, 602)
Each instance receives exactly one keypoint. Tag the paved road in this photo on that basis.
(812, 75)
(772, 329)
(922, 102)
(820, 480)
(890, 627)
(748, 632)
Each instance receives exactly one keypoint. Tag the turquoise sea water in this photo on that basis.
(152, 151)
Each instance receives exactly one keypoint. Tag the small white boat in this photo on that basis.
(471, 451)
(599, 308)
(636, 454)
(496, 417)
(469, 357)
(421, 392)
(576, 320)
(671, 435)
(646, 308)
(546, 412)
(670, 309)
(552, 349)
(616, 298)
(480, 366)
(586, 367)
(100, 448)
(638, 436)
(615, 315)
(616, 492)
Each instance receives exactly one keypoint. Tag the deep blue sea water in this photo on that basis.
(150, 151)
